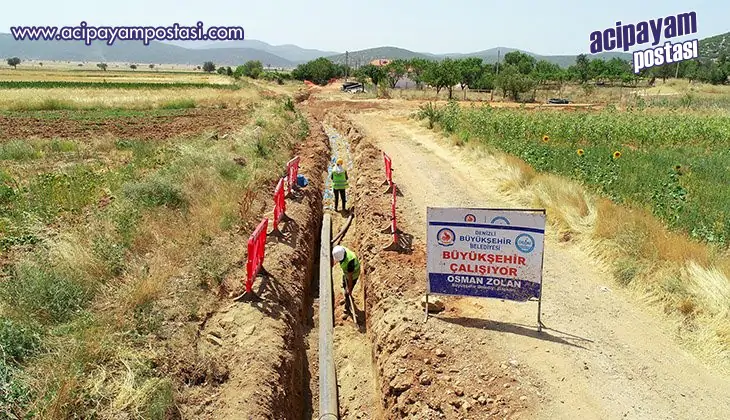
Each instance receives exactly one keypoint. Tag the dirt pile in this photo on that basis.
(423, 371)
(249, 357)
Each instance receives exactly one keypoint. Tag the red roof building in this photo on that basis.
(380, 62)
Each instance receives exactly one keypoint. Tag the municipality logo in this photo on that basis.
(500, 220)
(470, 218)
(445, 237)
(525, 243)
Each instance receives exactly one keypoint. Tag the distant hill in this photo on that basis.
(289, 52)
(713, 46)
(489, 56)
(363, 57)
(133, 52)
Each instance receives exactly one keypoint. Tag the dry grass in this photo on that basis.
(110, 76)
(143, 99)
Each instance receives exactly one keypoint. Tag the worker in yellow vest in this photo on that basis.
(339, 184)
(350, 265)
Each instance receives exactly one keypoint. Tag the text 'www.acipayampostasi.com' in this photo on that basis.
(111, 34)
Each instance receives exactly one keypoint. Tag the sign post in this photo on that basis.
(491, 253)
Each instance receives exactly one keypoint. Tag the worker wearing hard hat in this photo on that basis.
(350, 265)
(339, 184)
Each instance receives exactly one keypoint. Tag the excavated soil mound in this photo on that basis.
(423, 371)
(249, 360)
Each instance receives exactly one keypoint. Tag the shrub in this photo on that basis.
(14, 393)
(289, 105)
(18, 150)
(17, 341)
(179, 104)
(156, 192)
(430, 112)
(43, 294)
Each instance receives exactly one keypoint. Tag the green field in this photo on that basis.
(674, 163)
(110, 85)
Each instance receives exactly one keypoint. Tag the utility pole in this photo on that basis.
(491, 95)
(347, 64)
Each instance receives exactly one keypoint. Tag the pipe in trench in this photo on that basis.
(328, 409)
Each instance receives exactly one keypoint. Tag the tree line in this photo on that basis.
(517, 74)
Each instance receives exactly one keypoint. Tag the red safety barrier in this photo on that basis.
(393, 228)
(388, 170)
(292, 171)
(279, 209)
(389, 175)
(256, 251)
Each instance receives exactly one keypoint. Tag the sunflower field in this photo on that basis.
(674, 163)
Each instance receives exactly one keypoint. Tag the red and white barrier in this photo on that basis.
(393, 228)
(279, 207)
(388, 169)
(292, 171)
(256, 251)
(389, 175)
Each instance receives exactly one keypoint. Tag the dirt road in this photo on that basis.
(603, 356)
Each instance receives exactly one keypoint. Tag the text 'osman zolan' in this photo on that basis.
(626, 36)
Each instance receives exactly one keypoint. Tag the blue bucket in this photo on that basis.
(302, 181)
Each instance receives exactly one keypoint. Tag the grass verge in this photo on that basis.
(116, 253)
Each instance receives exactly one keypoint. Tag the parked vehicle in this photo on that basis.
(561, 101)
(353, 87)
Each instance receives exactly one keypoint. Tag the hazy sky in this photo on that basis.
(543, 27)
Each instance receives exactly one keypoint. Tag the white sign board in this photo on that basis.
(495, 253)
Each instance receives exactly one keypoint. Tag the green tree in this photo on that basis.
(360, 76)
(394, 71)
(253, 69)
(512, 82)
(133, 67)
(689, 69)
(445, 74)
(581, 68)
(664, 71)
(318, 71)
(416, 67)
(523, 62)
(470, 70)
(376, 74)
(597, 70)
(208, 67)
(151, 66)
(102, 66)
(617, 68)
(545, 72)
(14, 62)
(485, 81)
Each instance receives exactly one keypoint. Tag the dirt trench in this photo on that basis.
(252, 356)
(419, 371)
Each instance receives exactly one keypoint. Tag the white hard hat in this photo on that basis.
(338, 253)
